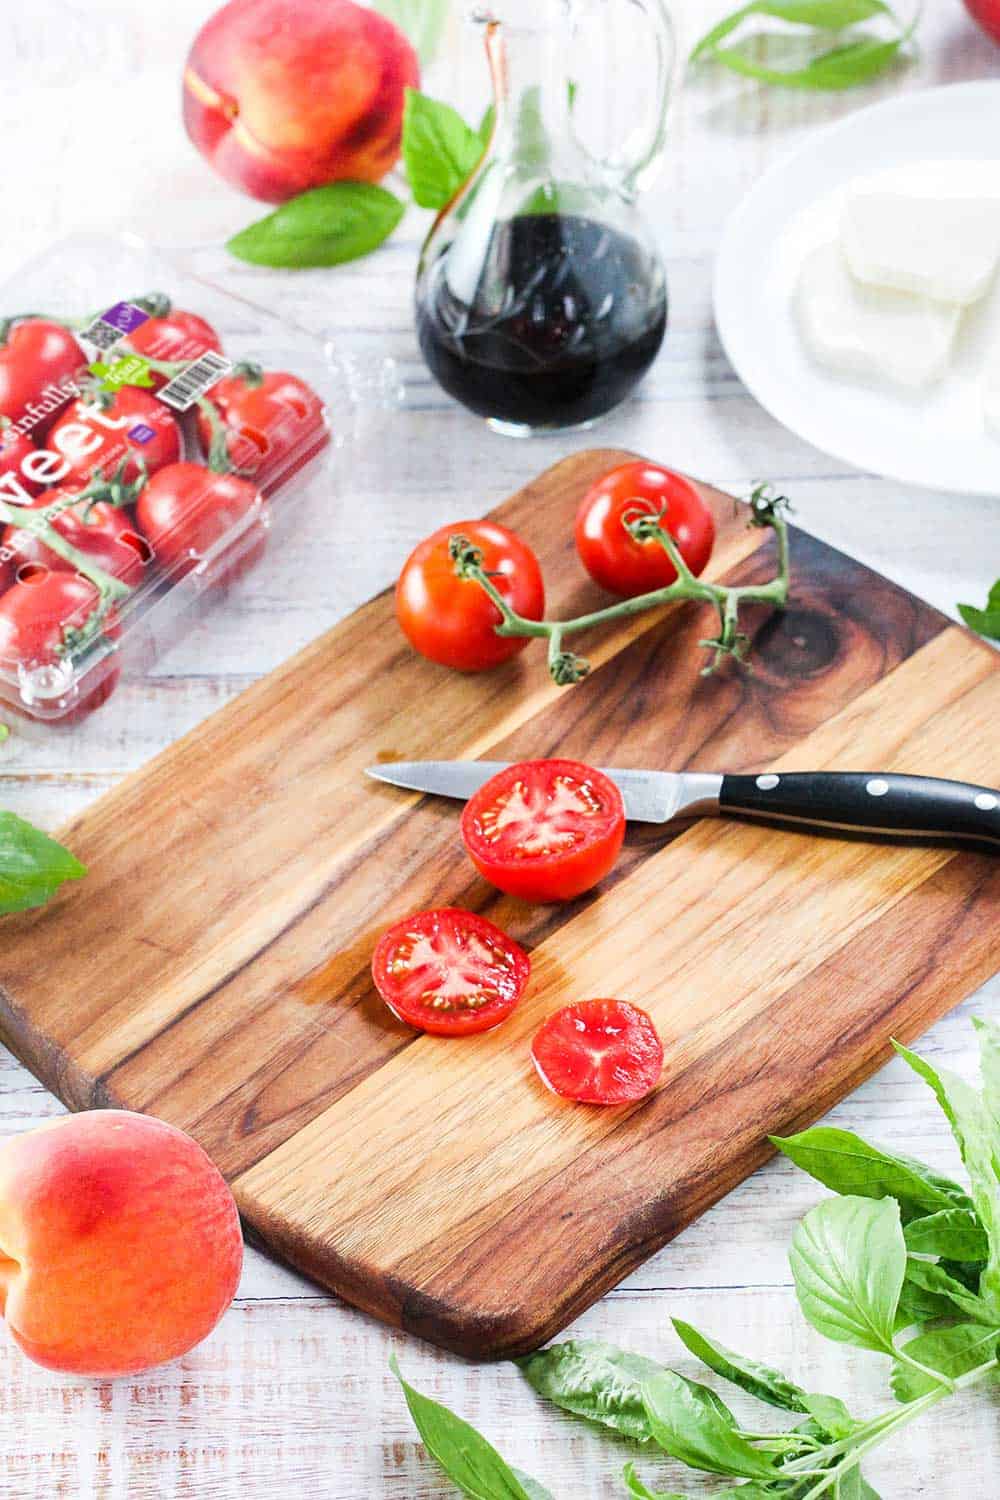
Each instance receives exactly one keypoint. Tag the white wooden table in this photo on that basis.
(292, 1395)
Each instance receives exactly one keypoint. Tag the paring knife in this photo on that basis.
(858, 802)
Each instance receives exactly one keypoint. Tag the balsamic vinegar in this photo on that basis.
(567, 317)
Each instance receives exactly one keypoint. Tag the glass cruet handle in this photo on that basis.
(635, 163)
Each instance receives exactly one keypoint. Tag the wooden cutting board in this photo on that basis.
(213, 968)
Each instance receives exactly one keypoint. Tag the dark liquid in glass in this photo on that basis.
(567, 317)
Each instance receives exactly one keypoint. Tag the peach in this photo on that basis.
(285, 95)
(120, 1244)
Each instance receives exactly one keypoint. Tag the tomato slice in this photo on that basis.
(449, 972)
(599, 1052)
(545, 830)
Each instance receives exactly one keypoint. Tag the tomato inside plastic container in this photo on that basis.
(159, 441)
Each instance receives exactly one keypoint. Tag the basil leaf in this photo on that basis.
(486, 124)
(953, 1234)
(440, 152)
(985, 621)
(842, 1161)
(596, 1381)
(989, 1052)
(761, 1381)
(851, 1486)
(423, 21)
(532, 1488)
(32, 866)
(469, 1461)
(954, 1351)
(854, 62)
(978, 1137)
(848, 1261)
(324, 227)
(832, 1415)
(635, 1487)
(825, 15)
(949, 1295)
(687, 1426)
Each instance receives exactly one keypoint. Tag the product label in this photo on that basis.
(114, 325)
(129, 369)
(187, 387)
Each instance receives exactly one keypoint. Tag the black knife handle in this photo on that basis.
(874, 802)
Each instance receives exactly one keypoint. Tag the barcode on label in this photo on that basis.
(185, 388)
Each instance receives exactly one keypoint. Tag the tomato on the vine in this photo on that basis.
(185, 511)
(449, 972)
(38, 617)
(269, 420)
(104, 533)
(37, 364)
(177, 336)
(599, 1052)
(545, 830)
(450, 619)
(133, 429)
(618, 561)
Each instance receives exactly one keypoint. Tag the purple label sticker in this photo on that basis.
(125, 316)
(142, 433)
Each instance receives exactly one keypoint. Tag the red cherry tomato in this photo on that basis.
(15, 448)
(38, 367)
(451, 620)
(599, 1052)
(178, 336)
(449, 972)
(617, 560)
(36, 615)
(105, 533)
(134, 428)
(186, 512)
(273, 424)
(545, 830)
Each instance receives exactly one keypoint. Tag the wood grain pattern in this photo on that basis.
(214, 969)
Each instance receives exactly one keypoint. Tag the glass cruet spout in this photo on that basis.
(541, 299)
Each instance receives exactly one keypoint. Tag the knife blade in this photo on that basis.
(873, 803)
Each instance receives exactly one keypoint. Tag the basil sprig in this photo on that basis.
(857, 56)
(32, 865)
(899, 1249)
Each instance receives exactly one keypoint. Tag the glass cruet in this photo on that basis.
(541, 299)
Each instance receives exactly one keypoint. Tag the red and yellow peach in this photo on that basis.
(120, 1244)
(286, 95)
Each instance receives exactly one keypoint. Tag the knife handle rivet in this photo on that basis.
(877, 787)
(986, 801)
(768, 783)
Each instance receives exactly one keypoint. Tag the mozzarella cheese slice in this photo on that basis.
(863, 330)
(947, 248)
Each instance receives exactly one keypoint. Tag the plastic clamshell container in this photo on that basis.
(193, 435)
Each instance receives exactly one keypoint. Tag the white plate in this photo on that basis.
(934, 437)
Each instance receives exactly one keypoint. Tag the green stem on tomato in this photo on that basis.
(565, 667)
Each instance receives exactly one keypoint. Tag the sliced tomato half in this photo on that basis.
(545, 830)
(599, 1052)
(450, 972)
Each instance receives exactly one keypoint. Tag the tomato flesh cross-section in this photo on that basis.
(545, 830)
(449, 972)
(599, 1052)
